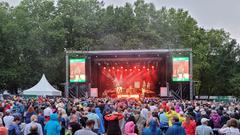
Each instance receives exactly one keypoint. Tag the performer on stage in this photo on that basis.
(143, 88)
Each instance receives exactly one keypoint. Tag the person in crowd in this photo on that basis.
(176, 128)
(62, 122)
(153, 128)
(33, 130)
(224, 118)
(164, 106)
(101, 128)
(33, 123)
(47, 112)
(3, 130)
(41, 119)
(113, 127)
(8, 119)
(87, 130)
(204, 129)
(163, 120)
(93, 116)
(231, 128)
(189, 125)
(144, 112)
(53, 126)
(14, 128)
(29, 114)
(170, 114)
(216, 121)
(152, 107)
(129, 128)
(132, 118)
(73, 124)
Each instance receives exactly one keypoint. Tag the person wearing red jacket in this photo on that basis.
(113, 123)
(189, 125)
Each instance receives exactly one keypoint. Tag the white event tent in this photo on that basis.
(43, 88)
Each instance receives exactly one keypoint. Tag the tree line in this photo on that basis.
(33, 36)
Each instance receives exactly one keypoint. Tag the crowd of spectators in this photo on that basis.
(109, 116)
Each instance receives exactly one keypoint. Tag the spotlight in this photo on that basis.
(117, 70)
(135, 67)
(109, 70)
(121, 67)
(125, 69)
(148, 69)
(130, 69)
(139, 70)
(113, 68)
(104, 68)
(144, 67)
(152, 66)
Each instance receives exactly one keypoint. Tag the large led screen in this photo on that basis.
(77, 70)
(180, 69)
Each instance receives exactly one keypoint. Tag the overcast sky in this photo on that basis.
(208, 13)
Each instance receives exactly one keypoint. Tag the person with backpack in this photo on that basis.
(14, 128)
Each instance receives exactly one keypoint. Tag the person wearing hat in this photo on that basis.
(204, 129)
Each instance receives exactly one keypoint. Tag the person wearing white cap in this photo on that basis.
(204, 129)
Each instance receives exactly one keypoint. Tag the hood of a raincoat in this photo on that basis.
(54, 117)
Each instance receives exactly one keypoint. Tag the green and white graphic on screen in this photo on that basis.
(77, 70)
(180, 69)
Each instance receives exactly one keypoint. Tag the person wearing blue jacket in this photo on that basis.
(101, 129)
(176, 128)
(53, 127)
(14, 128)
(153, 129)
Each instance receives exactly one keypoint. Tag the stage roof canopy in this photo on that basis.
(43, 88)
(117, 52)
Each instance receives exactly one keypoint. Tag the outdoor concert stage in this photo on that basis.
(130, 73)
